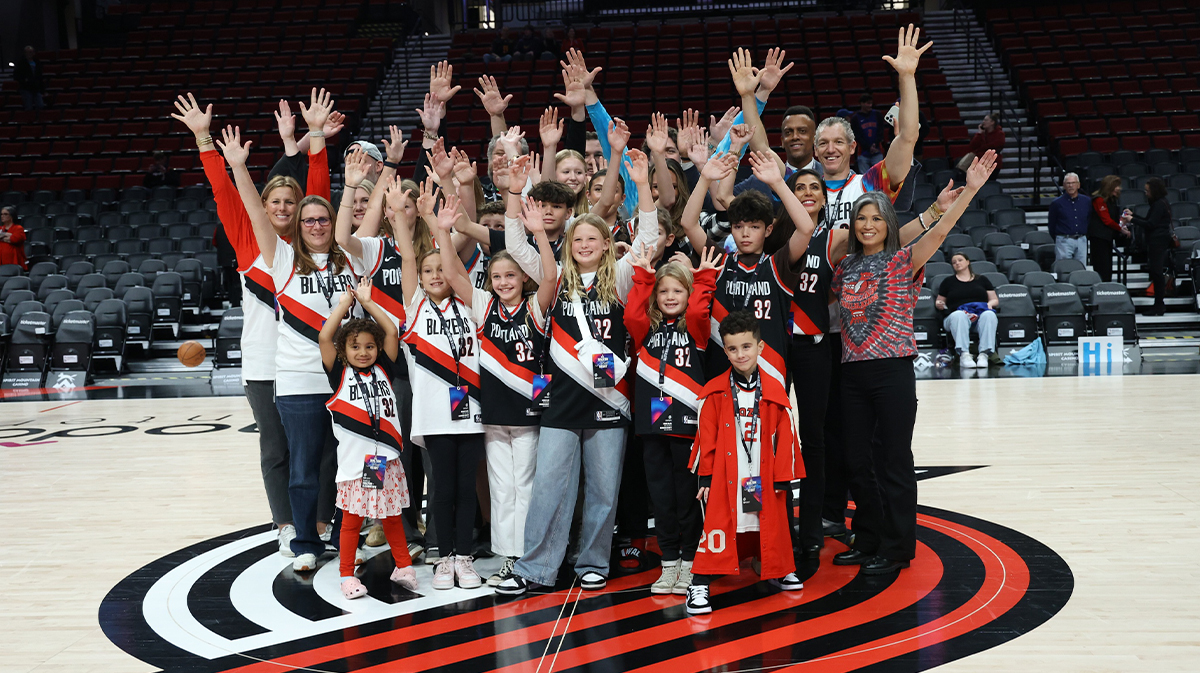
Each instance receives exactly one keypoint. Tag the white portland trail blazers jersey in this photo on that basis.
(366, 421)
(443, 352)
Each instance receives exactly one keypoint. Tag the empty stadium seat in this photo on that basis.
(139, 315)
(981, 232)
(50, 284)
(109, 339)
(96, 295)
(192, 274)
(77, 271)
(995, 241)
(1005, 256)
(933, 269)
(1062, 314)
(31, 306)
(927, 322)
(88, 283)
(27, 345)
(52, 300)
(1062, 268)
(955, 242)
(14, 284)
(62, 308)
(1113, 313)
(1016, 315)
(229, 339)
(972, 253)
(168, 300)
(128, 280)
(1084, 281)
(1021, 268)
(114, 270)
(73, 342)
(1036, 280)
(982, 268)
(997, 279)
(39, 271)
(14, 298)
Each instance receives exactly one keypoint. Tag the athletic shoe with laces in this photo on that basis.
(327, 536)
(697, 600)
(788, 582)
(503, 573)
(513, 585)
(665, 584)
(965, 361)
(286, 535)
(684, 581)
(431, 556)
(465, 573)
(982, 361)
(405, 577)
(443, 574)
(592, 581)
(304, 563)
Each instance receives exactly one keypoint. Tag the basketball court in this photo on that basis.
(1058, 531)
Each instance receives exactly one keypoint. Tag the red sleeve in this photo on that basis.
(636, 305)
(230, 210)
(704, 284)
(1101, 208)
(16, 234)
(787, 464)
(318, 174)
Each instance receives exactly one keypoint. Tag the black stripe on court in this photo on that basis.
(209, 598)
(295, 592)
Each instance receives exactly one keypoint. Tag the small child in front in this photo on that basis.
(743, 487)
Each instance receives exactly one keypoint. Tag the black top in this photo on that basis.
(958, 292)
(1157, 222)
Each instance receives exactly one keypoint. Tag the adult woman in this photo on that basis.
(990, 136)
(362, 198)
(876, 287)
(259, 329)
(1157, 224)
(969, 302)
(1102, 228)
(310, 272)
(12, 238)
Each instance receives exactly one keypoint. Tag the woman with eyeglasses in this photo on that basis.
(310, 274)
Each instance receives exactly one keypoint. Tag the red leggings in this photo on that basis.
(393, 530)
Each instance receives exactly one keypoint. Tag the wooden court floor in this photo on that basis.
(1103, 471)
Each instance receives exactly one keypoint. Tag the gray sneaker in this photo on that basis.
(665, 584)
(431, 556)
(684, 581)
(286, 535)
(501, 574)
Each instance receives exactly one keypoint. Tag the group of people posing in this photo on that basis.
(570, 306)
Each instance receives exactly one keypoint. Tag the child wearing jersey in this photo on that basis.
(358, 359)
(588, 413)
(510, 312)
(444, 368)
(667, 319)
(745, 456)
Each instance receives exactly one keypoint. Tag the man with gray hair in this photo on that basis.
(1068, 221)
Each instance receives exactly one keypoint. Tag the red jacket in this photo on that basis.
(13, 251)
(715, 455)
(989, 140)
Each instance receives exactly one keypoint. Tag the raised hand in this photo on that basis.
(197, 120)
(441, 162)
(771, 73)
(465, 170)
(907, 55)
(575, 95)
(618, 135)
(698, 151)
(518, 172)
(980, 170)
(550, 128)
(531, 216)
(745, 75)
(718, 128)
(740, 135)
(347, 299)
(231, 146)
(428, 198)
(689, 119)
(356, 168)
(334, 124)
(641, 257)
(720, 166)
(639, 166)
(441, 80)
(319, 106)
(948, 196)
(681, 258)
(394, 150)
(765, 168)
(578, 67)
(710, 259)
(286, 121)
(431, 114)
(489, 95)
(363, 291)
(448, 214)
(511, 141)
(396, 195)
(656, 133)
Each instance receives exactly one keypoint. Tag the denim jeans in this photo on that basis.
(959, 325)
(560, 454)
(309, 429)
(866, 161)
(1066, 247)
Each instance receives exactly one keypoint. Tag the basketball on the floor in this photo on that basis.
(191, 353)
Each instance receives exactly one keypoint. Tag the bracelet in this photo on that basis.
(351, 187)
(316, 134)
(515, 193)
(206, 140)
(429, 135)
(934, 213)
(394, 165)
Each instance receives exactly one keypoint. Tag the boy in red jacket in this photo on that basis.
(746, 455)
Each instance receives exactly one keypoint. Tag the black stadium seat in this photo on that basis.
(972, 253)
(55, 298)
(1062, 314)
(50, 284)
(168, 300)
(128, 280)
(88, 283)
(1036, 281)
(1017, 317)
(64, 307)
(1020, 268)
(1113, 313)
(14, 284)
(1062, 268)
(27, 346)
(140, 315)
(927, 322)
(96, 295)
(31, 306)
(1084, 281)
(192, 274)
(73, 342)
(113, 271)
(996, 278)
(14, 298)
(1005, 256)
(229, 339)
(109, 340)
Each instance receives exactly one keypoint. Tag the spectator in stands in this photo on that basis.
(12, 238)
(1068, 221)
(502, 47)
(1102, 228)
(990, 136)
(160, 172)
(550, 46)
(529, 46)
(571, 42)
(30, 80)
(868, 129)
(969, 303)
(1157, 224)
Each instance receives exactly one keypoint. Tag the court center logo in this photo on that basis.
(232, 603)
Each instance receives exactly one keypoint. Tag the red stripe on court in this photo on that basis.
(60, 406)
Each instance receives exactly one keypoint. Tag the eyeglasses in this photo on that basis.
(311, 222)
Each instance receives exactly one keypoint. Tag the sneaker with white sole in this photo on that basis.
(304, 563)
(503, 573)
(788, 582)
(327, 536)
(965, 361)
(465, 573)
(684, 581)
(443, 574)
(414, 550)
(697, 600)
(287, 533)
(592, 581)
(982, 360)
(431, 556)
(513, 585)
(405, 577)
(665, 584)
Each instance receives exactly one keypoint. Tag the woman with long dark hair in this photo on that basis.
(1103, 228)
(1157, 224)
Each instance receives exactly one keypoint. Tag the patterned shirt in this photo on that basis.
(876, 297)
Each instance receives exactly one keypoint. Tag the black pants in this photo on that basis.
(633, 506)
(833, 507)
(1157, 250)
(678, 518)
(414, 466)
(1102, 256)
(455, 459)
(884, 393)
(810, 367)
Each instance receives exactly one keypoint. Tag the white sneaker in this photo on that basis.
(684, 581)
(304, 563)
(501, 574)
(697, 600)
(328, 534)
(965, 361)
(286, 535)
(982, 361)
(592, 581)
(665, 584)
(443, 574)
(464, 572)
(788, 582)
(359, 557)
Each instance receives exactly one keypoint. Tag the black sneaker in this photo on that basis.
(513, 585)
(590, 580)
(832, 528)
(788, 582)
(697, 600)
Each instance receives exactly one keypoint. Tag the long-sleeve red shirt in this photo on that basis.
(12, 251)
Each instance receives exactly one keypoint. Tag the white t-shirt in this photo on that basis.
(260, 331)
(747, 521)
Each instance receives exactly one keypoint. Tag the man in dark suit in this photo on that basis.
(28, 73)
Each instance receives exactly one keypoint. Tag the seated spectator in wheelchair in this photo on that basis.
(969, 302)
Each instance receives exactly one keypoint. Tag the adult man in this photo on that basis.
(1068, 221)
(868, 129)
(28, 74)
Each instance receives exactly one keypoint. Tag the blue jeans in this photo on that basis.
(309, 430)
(1066, 247)
(867, 160)
(560, 453)
(959, 325)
